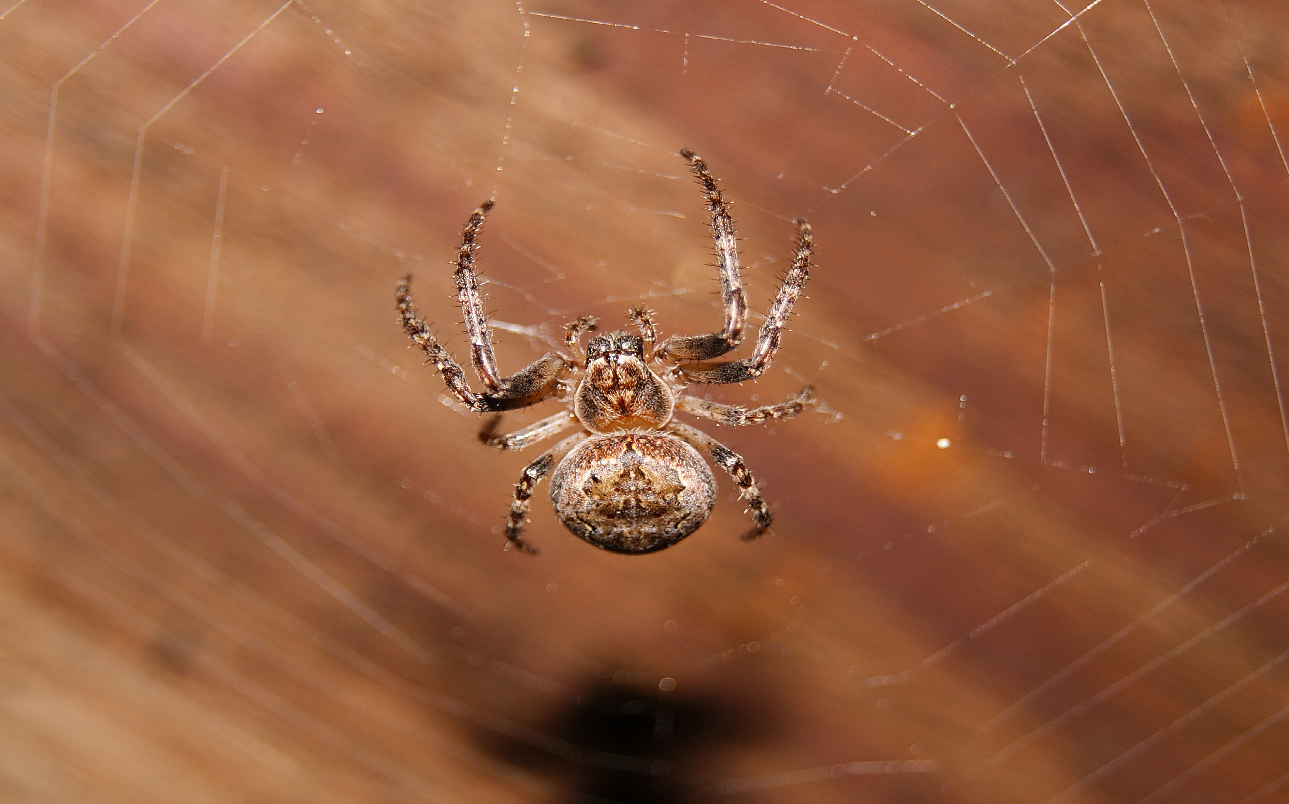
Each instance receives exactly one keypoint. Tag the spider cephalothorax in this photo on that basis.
(632, 480)
(618, 390)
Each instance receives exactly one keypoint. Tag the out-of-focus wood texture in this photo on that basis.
(248, 554)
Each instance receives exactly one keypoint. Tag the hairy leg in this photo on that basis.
(537, 431)
(733, 299)
(420, 334)
(739, 416)
(532, 475)
(531, 384)
(767, 341)
(731, 462)
(476, 318)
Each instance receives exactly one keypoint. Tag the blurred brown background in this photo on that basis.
(1034, 549)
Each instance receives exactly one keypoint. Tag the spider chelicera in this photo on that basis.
(632, 479)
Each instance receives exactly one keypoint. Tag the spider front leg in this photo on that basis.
(739, 416)
(532, 475)
(731, 462)
(532, 383)
(733, 299)
(767, 341)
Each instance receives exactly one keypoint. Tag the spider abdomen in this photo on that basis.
(633, 492)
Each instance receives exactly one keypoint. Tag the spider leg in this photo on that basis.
(537, 379)
(734, 300)
(450, 370)
(531, 384)
(739, 416)
(532, 475)
(573, 332)
(642, 317)
(534, 382)
(767, 342)
(537, 431)
(476, 319)
(731, 462)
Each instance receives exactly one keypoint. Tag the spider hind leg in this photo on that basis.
(528, 480)
(731, 462)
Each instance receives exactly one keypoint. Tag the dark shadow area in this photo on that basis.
(624, 743)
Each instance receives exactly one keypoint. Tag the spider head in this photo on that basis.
(614, 346)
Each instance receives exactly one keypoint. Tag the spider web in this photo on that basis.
(1031, 550)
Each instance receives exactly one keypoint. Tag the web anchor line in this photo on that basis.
(1172, 728)
(1087, 704)
(1106, 644)
(978, 631)
(1180, 222)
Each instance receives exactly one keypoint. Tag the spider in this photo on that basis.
(632, 480)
